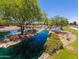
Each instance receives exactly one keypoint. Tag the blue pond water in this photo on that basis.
(37, 40)
(4, 34)
(57, 28)
(40, 38)
(33, 48)
(27, 49)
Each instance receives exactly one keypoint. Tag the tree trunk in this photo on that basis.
(22, 30)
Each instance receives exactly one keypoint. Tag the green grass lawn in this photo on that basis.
(65, 53)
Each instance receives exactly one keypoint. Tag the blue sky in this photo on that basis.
(64, 8)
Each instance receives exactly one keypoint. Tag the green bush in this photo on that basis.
(53, 44)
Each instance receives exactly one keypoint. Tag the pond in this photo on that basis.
(4, 34)
(40, 38)
(13, 32)
(58, 28)
(27, 49)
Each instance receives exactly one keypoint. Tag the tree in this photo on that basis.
(74, 23)
(3, 22)
(44, 18)
(64, 21)
(20, 12)
(59, 21)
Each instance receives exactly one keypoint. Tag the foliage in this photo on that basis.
(45, 18)
(74, 23)
(3, 22)
(59, 21)
(20, 12)
(53, 43)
